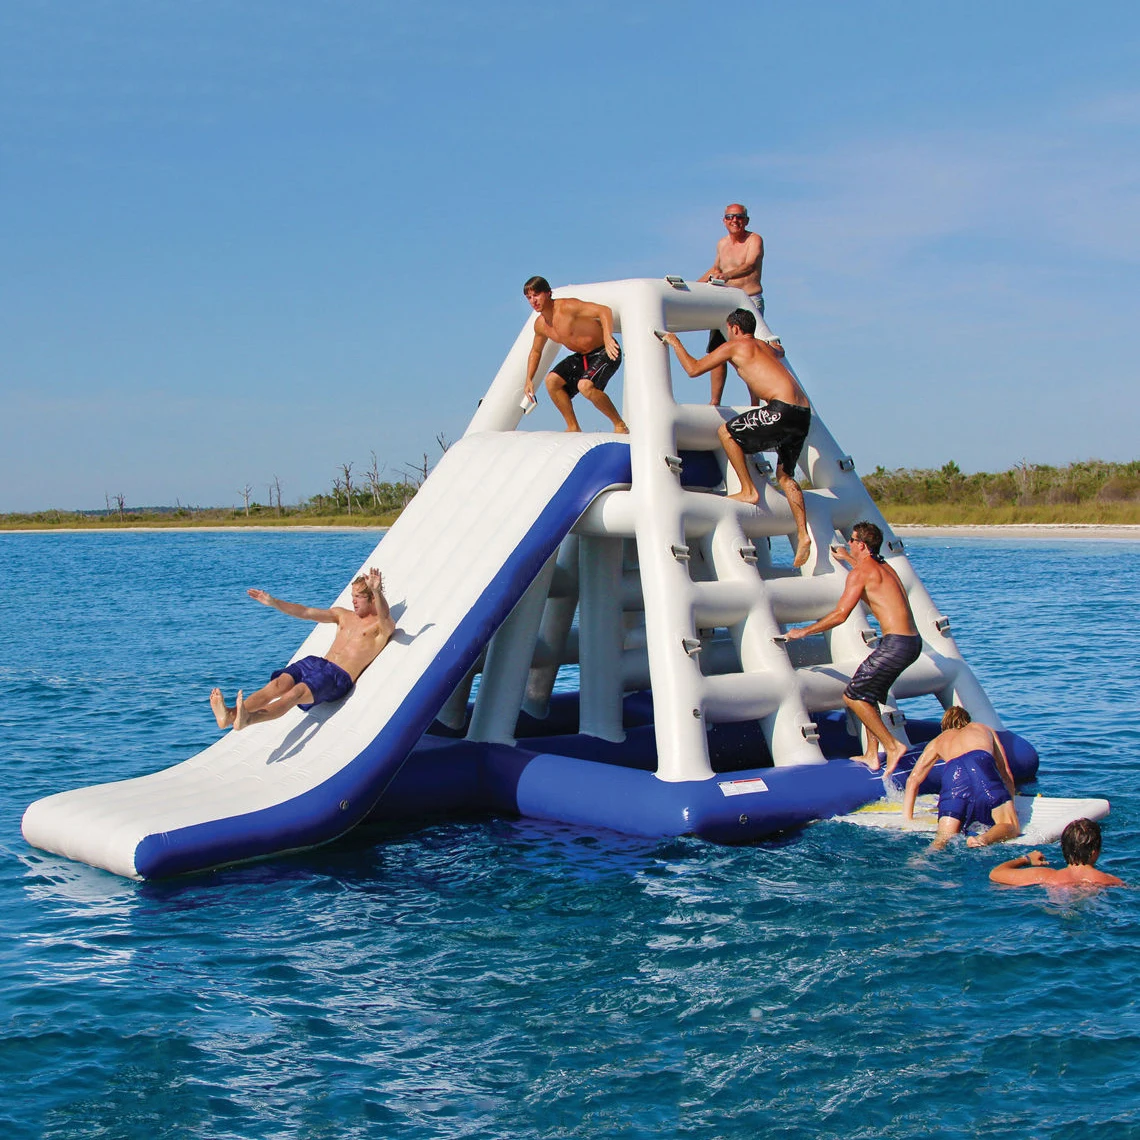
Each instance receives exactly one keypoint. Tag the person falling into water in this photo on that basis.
(871, 580)
(361, 634)
(588, 331)
(780, 426)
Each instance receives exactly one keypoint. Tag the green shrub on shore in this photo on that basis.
(1088, 492)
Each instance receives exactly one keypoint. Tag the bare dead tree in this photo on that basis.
(120, 504)
(338, 489)
(245, 492)
(443, 441)
(347, 469)
(373, 477)
(277, 484)
(418, 472)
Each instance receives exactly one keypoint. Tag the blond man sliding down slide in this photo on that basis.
(361, 634)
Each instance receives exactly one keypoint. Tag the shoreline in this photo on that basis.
(259, 529)
(1087, 531)
(1099, 532)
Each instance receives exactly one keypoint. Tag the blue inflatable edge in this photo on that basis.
(446, 778)
(335, 806)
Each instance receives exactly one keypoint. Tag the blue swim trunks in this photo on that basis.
(883, 667)
(328, 682)
(971, 789)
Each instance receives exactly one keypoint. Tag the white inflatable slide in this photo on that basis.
(457, 561)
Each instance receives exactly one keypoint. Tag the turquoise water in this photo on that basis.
(516, 979)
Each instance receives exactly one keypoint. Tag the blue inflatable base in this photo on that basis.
(555, 775)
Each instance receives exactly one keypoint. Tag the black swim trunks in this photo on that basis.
(777, 427)
(594, 366)
(883, 667)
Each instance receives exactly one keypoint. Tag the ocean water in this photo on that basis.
(509, 978)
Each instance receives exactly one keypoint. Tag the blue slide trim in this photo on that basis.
(332, 808)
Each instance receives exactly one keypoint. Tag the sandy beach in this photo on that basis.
(1085, 531)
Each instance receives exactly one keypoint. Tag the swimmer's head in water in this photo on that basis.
(955, 717)
(869, 535)
(1080, 842)
(742, 319)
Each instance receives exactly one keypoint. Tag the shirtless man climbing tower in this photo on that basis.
(871, 580)
(780, 426)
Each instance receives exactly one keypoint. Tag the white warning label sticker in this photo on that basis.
(742, 787)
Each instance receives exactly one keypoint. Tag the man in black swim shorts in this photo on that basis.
(871, 580)
(596, 367)
(361, 634)
(780, 426)
(588, 331)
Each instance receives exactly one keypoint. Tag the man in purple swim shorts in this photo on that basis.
(977, 784)
(361, 634)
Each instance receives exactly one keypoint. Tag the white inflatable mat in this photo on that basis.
(1043, 818)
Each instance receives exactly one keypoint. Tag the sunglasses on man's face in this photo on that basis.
(736, 217)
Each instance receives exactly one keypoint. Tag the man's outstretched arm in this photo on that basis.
(919, 773)
(305, 613)
(849, 599)
(1023, 870)
(379, 602)
(690, 364)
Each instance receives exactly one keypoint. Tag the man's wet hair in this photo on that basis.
(1080, 842)
(743, 319)
(360, 585)
(955, 717)
(537, 285)
(868, 534)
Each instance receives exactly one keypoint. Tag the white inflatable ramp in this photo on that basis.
(1043, 818)
(483, 527)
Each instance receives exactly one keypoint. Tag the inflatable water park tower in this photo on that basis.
(527, 553)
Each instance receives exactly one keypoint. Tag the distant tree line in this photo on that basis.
(1092, 492)
(1023, 485)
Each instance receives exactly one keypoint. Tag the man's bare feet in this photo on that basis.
(803, 550)
(223, 715)
(573, 427)
(872, 762)
(621, 429)
(239, 713)
(893, 758)
(745, 497)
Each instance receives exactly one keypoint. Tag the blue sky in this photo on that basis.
(252, 238)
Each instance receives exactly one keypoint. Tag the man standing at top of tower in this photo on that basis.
(871, 580)
(588, 331)
(739, 259)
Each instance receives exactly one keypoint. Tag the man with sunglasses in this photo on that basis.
(872, 581)
(739, 259)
